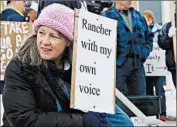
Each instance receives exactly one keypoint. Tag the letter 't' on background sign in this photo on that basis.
(94, 63)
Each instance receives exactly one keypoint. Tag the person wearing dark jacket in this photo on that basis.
(165, 42)
(37, 80)
(35, 94)
(71, 4)
(91, 6)
(15, 11)
(134, 44)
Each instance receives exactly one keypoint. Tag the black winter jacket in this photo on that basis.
(166, 43)
(29, 101)
(11, 15)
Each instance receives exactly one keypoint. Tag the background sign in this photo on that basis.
(155, 64)
(94, 63)
(12, 36)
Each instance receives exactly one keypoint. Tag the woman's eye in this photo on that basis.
(55, 36)
(42, 33)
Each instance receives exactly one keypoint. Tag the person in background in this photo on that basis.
(134, 43)
(165, 41)
(44, 56)
(15, 11)
(37, 80)
(157, 81)
(98, 6)
(71, 4)
(91, 6)
(31, 11)
(32, 15)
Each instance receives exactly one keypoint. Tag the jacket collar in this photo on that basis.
(120, 19)
(20, 13)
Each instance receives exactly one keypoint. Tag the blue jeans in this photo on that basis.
(131, 80)
(120, 119)
(158, 82)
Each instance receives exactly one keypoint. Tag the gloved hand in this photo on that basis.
(172, 31)
(93, 119)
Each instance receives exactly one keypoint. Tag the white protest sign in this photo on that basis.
(155, 64)
(94, 63)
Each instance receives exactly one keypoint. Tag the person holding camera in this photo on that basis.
(98, 6)
(134, 43)
(92, 6)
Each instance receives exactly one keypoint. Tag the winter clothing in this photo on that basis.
(1, 86)
(157, 81)
(71, 4)
(41, 93)
(34, 102)
(97, 121)
(140, 40)
(165, 42)
(133, 47)
(34, 105)
(10, 14)
(58, 17)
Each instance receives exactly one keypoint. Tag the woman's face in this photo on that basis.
(148, 20)
(50, 43)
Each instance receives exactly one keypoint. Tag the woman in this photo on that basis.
(36, 92)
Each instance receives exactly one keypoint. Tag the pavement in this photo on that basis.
(171, 123)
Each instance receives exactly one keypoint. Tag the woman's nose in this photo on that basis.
(46, 40)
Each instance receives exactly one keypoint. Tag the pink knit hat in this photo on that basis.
(58, 17)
